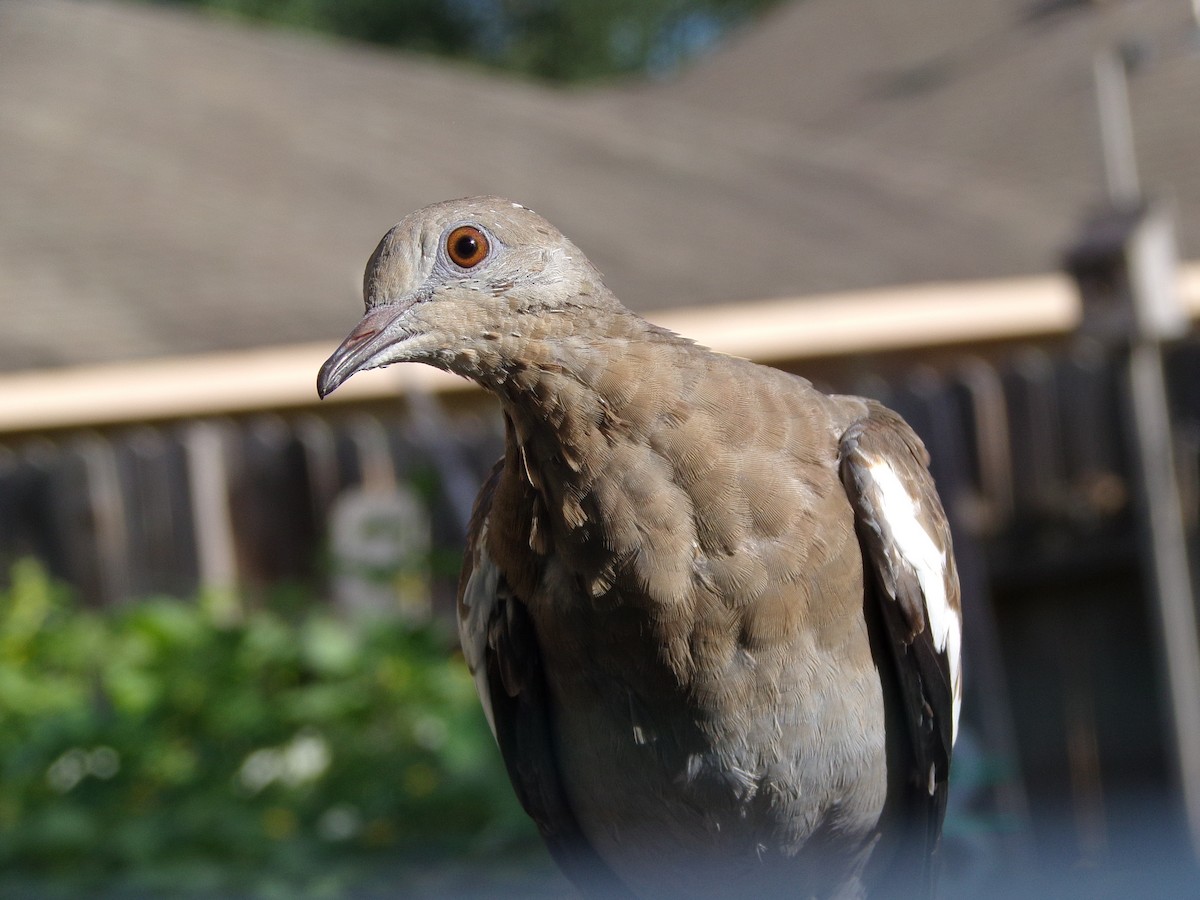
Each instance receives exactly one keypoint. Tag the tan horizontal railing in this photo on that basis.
(773, 331)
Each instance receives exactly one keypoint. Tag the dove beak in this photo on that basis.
(364, 348)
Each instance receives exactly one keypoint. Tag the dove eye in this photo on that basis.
(466, 246)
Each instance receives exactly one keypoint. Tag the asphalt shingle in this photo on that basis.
(176, 184)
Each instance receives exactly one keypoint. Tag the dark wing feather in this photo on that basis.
(910, 574)
(501, 647)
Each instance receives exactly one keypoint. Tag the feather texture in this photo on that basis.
(712, 612)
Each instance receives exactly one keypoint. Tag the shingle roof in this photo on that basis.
(174, 183)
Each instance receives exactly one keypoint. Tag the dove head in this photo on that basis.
(454, 283)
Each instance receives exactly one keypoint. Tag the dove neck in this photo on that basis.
(581, 390)
(579, 414)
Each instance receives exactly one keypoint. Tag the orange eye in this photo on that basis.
(466, 246)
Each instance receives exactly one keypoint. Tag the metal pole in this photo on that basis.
(1116, 127)
(1162, 513)
(1172, 582)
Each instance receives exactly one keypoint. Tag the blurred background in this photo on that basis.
(227, 665)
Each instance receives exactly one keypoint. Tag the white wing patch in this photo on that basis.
(918, 549)
(478, 601)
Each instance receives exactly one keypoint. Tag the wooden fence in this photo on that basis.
(225, 474)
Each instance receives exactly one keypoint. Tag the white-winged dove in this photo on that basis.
(712, 613)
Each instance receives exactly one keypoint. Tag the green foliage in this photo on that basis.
(162, 748)
(557, 40)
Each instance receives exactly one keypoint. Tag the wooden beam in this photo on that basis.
(771, 331)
